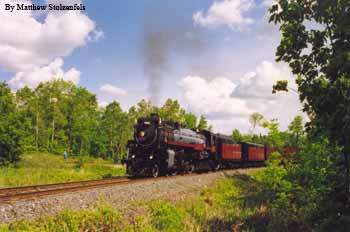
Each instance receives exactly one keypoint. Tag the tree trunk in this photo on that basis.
(53, 132)
(111, 142)
(346, 152)
(37, 131)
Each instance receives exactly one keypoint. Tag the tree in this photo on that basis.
(145, 108)
(190, 120)
(82, 120)
(203, 123)
(319, 56)
(296, 129)
(54, 102)
(9, 132)
(171, 110)
(114, 124)
(273, 138)
(254, 120)
(281, 85)
(27, 110)
(236, 135)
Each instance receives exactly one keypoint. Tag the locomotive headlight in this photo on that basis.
(142, 133)
(133, 157)
(151, 157)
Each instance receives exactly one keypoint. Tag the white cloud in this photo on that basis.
(212, 98)
(228, 12)
(113, 90)
(28, 45)
(258, 84)
(25, 42)
(228, 105)
(36, 75)
(268, 3)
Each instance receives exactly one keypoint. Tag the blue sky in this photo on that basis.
(215, 57)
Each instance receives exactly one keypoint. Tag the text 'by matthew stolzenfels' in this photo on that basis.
(49, 7)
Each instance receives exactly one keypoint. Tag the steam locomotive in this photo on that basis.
(165, 147)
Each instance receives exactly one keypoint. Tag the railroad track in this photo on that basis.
(8, 195)
(27, 192)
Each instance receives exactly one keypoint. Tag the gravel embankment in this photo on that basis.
(119, 197)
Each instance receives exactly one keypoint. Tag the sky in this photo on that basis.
(216, 57)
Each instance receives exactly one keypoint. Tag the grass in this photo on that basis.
(103, 219)
(226, 206)
(43, 168)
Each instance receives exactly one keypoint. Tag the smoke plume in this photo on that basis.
(156, 63)
(164, 41)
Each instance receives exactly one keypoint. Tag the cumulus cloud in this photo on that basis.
(228, 13)
(36, 75)
(212, 98)
(258, 84)
(28, 45)
(113, 90)
(228, 104)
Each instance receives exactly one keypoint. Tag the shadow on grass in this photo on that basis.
(251, 202)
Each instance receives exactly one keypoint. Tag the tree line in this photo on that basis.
(58, 116)
(293, 136)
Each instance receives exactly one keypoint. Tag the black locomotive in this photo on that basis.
(165, 147)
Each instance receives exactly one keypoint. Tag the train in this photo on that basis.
(167, 148)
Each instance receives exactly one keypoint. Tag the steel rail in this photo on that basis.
(24, 192)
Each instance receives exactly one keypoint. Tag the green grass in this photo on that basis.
(43, 168)
(103, 219)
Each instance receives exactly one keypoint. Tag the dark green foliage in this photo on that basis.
(319, 56)
(281, 85)
(296, 131)
(301, 193)
(315, 44)
(114, 131)
(10, 134)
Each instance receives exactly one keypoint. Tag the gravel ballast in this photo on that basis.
(118, 196)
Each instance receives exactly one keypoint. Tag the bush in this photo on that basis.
(299, 195)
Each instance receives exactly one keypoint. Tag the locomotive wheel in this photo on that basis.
(155, 170)
(217, 166)
(191, 168)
